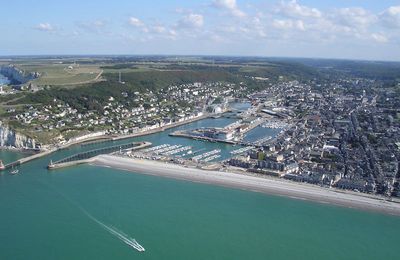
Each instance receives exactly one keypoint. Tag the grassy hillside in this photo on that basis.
(155, 76)
(63, 74)
(93, 95)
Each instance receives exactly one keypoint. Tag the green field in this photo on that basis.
(62, 74)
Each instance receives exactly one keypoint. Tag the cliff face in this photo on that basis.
(17, 75)
(9, 137)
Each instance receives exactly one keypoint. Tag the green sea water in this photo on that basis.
(8, 156)
(42, 216)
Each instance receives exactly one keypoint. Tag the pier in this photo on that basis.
(86, 157)
(26, 159)
(204, 138)
(257, 143)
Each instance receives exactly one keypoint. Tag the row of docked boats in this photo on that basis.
(182, 151)
(206, 155)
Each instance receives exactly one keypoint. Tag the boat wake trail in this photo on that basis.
(120, 235)
(112, 230)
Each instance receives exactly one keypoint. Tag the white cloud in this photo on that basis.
(354, 17)
(229, 5)
(356, 24)
(161, 32)
(300, 25)
(150, 32)
(294, 9)
(378, 37)
(158, 29)
(391, 17)
(99, 23)
(135, 22)
(172, 33)
(45, 27)
(284, 22)
(192, 21)
(287, 24)
(227, 29)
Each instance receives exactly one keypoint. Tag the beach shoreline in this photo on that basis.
(271, 186)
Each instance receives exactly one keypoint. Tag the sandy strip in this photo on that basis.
(272, 186)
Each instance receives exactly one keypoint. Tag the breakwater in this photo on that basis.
(86, 157)
(28, 159)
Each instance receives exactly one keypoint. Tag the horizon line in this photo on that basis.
(194, 55)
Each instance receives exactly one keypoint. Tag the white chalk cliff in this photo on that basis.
(17, 75)
(9, 137)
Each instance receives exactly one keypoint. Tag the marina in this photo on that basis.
(242, 150)
(179, 150)
(155, 148)
(166, 150)
(135, 202)
(275, 124)
(211, 158)
(185, 150)
(207, 154)
(262, 141)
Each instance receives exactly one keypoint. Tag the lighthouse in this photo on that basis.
(2, 167)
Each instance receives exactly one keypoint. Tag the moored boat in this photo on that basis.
(14, 171)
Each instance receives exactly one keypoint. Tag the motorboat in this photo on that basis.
(14, 171)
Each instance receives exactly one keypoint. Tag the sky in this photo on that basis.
(342, 29)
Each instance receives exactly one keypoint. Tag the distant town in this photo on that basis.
(340, 131)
